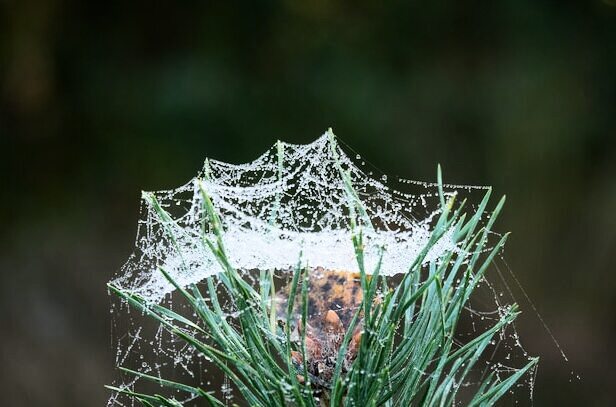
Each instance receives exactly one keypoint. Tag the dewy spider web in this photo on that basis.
(291, 200)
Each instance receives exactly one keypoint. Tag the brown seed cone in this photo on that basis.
(333, 299)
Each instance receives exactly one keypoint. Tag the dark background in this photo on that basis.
(100, 101)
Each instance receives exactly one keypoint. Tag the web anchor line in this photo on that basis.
(532, 305)
(410, 181)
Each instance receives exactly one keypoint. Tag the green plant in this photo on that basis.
(407, 354)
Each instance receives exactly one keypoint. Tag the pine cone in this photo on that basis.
(333, 299)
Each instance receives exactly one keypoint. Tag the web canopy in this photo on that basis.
(293, 199)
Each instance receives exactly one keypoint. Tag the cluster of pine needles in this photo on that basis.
(407, 355)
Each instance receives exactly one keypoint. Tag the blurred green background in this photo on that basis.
(101, 100)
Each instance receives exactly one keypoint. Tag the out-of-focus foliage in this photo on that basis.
(98, 101)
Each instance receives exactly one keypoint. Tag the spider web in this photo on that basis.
(291, 200)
